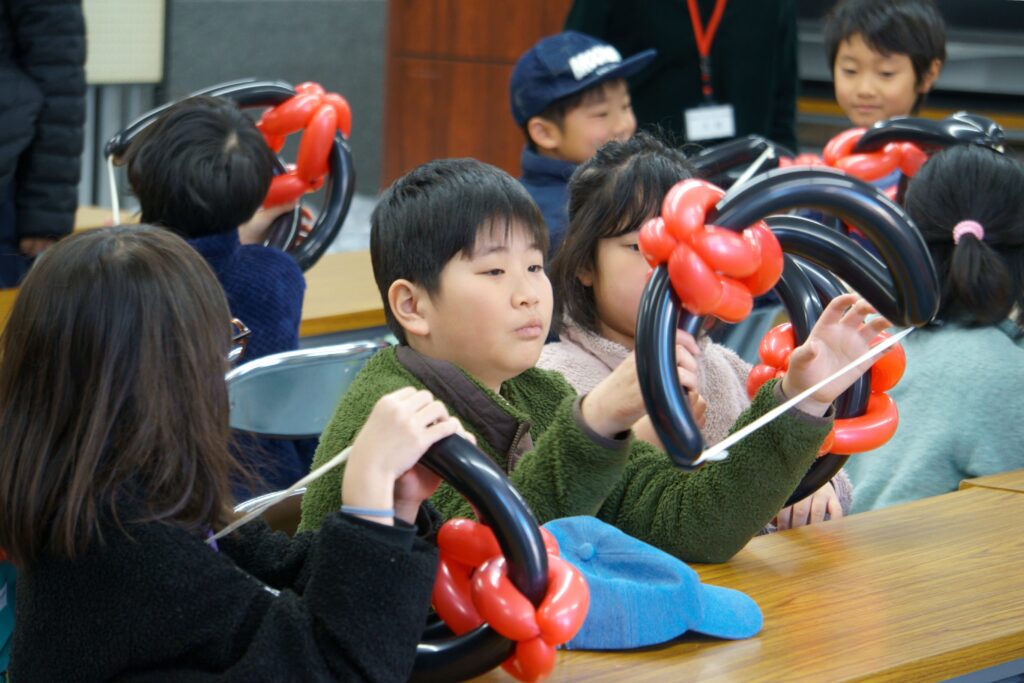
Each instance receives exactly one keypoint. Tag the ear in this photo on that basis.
(928, 77)
(544, 133)
(586, 276)
(407, 302)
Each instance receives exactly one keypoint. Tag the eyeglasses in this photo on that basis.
(239, 340)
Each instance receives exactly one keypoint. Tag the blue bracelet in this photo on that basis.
(368, 512)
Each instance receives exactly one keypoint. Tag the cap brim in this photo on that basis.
(728, 613)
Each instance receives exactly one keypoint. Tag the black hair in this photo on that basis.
(610, 195)
(982, 280)
(436, 211)
(201, 168)
(560, 108)
(910, 27)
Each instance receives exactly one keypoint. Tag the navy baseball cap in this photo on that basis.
(565, 64)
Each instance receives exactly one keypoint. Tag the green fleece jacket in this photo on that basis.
(702, 516)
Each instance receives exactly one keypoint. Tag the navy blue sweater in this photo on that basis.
(547, 181)
(264, 288)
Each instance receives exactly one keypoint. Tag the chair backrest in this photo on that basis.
(292, 395)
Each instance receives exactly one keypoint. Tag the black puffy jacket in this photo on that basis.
(42, 111)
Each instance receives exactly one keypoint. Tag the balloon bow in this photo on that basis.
(319, 115)
(714, 271)
(472, 588)
(867, 166)
(852, 434)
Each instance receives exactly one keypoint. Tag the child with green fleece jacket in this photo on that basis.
(458, 254)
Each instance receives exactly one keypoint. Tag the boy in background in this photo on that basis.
(569, 95)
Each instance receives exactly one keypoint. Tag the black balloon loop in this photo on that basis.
(503, 509)
(906, 289)
(961, 128)
(723, 163)
(339, 187)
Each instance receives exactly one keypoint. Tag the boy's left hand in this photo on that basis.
(840, 336)
(811, 510)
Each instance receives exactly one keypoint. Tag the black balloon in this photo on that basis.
(929, 135)
(500, 506)
(913, 301)
(723, 163)
(339, 188)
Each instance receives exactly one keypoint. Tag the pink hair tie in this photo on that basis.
(968, 228)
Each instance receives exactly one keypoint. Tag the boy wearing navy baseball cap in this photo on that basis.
(569, 95)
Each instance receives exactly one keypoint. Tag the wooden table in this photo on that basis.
(919, 592)
(1007, 481)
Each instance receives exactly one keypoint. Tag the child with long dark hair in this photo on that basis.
(960, 416)
(599, 276)
(115, 471)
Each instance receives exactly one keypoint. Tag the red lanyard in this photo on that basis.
(704, 40)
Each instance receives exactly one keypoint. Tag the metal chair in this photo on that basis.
(292, 395)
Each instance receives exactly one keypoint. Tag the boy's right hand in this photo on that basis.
(616, 403)
(400, 429)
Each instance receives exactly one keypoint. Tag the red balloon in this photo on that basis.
(501, 604)
(913, 158)
(289, 116)
(807, 159)
(686, 204)
(310, 88)
(776, 346)
(698, 287)
(841, 145)
(826, 445)
(533, 660)
(868, 431)
(759, 374)
(284, 188)
(468, 542)
(315, 146)
(565, 606)
(656, 244)
(726, 251)
(341, 108)
(871, 166)
(274, 142)
(736, 302)
(770, 270)
(452, 597)
(888, 370)
(550, 542)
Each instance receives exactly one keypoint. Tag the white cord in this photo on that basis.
(115, 205)
(281, 495)
(754, 167)
(718, 451)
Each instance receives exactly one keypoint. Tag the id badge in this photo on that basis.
(710, 122)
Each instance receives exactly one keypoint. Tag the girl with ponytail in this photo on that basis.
(960, 413)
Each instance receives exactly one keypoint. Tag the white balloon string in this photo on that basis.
(754, 167)
(276, 498)
(718, 451)
(115, 205)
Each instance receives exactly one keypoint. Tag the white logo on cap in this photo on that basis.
(586, 62)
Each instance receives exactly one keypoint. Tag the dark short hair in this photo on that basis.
(436, 211)
(201, 168)
(113, 403)
(560, 108)
(610, 195)
(982, 281)
(909, 27)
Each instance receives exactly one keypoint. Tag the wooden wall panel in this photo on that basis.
(448, 67)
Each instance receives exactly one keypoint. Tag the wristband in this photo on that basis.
(368, 512)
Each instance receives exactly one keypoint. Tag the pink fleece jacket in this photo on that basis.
(585, 358)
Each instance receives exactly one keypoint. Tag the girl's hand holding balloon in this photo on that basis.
(840, 336)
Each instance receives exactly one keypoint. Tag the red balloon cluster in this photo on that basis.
(868, 166)
(852, 434)
(318, 114)
(472, 588)
(714, 271)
